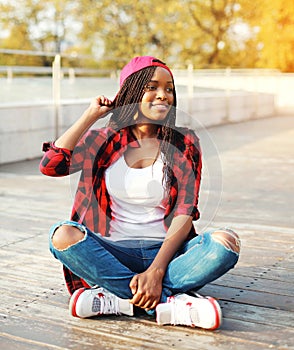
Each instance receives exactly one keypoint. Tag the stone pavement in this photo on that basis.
(257, 200)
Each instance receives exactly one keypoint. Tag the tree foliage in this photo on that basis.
(276, 35)
(210, 22)
(207, 33)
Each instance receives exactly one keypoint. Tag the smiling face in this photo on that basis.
(158, 96)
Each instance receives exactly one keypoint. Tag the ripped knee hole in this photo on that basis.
(227, 238)
(66, 236)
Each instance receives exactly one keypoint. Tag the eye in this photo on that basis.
(153, 87)
(149, 88)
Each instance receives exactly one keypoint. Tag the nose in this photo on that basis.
(161, 94)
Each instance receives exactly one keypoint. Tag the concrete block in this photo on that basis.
(23, 128)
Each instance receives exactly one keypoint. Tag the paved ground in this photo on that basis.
(257, 199)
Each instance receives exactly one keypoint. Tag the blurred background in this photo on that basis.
(233, 60)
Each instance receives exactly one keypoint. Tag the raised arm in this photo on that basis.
(57, 158)
(97, 109)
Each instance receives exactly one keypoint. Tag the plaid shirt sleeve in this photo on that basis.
(187, 175)
(61, 161)
(55, 161)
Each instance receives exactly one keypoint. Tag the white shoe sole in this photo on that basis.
(163, 315)
(75, 310)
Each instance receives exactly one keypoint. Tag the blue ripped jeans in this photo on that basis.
(112, 265)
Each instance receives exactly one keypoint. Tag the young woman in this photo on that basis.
(131, 240)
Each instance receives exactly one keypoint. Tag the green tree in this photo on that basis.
(211, 21)
(125, 28)
(207, 33)
(213, 33)
(36, 25)
(179, 32)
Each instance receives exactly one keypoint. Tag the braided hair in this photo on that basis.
(126, 104)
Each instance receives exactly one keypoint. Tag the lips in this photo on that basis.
(160, 106)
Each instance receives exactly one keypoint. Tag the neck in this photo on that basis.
(145, 130)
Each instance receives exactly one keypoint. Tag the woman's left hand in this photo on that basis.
(146, 288)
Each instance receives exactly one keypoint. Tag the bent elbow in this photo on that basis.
(52, 167)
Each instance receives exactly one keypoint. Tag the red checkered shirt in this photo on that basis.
(95, 152)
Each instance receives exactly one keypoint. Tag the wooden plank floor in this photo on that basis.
(256, 297)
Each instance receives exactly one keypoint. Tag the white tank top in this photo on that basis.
(136, 201)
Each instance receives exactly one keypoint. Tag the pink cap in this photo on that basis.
(138, 63)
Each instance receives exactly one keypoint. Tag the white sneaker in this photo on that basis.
(183, 309)
(89, 302)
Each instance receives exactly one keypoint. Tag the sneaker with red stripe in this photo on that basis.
(184, 309)
(89, 302)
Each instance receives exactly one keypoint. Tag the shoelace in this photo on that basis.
(180, 313)
(109, 304)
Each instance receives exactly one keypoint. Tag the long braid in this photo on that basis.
(126, 105)
(128, 98)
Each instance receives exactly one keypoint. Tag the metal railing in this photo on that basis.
(11, 71)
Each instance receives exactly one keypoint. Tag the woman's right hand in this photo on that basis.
(99, 107)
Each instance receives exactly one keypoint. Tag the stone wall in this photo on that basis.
(24, 127)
